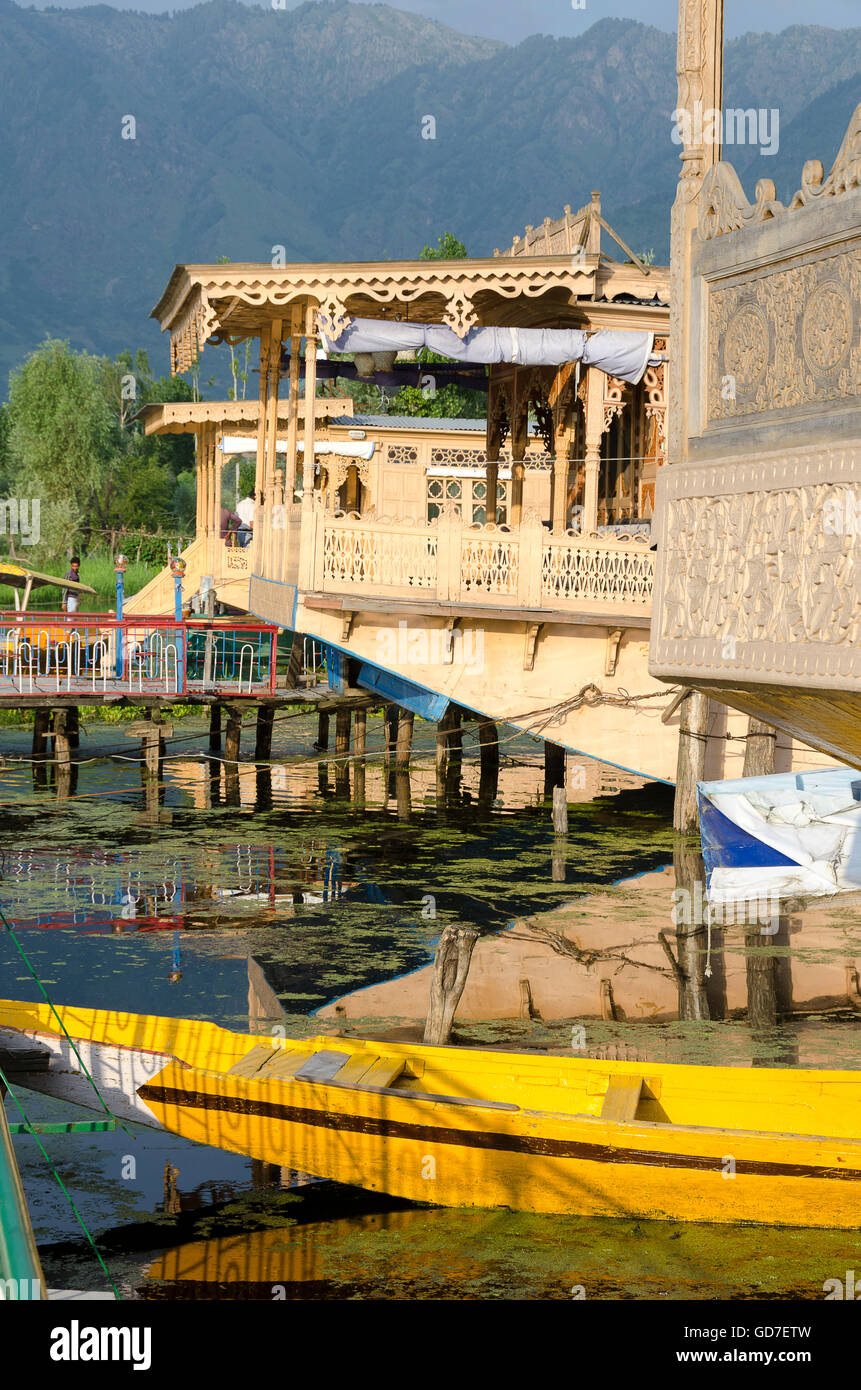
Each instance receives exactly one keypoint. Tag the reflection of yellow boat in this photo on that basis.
(463, 1128)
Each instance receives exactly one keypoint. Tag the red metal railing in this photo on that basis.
(84, 653)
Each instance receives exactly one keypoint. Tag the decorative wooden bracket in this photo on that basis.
(533, 632)
(347, 626)
(614, 638)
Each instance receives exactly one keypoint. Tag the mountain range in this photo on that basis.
(304, 128)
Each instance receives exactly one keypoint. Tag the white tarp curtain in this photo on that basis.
(624, 354)
(811, 818)
(350, 448)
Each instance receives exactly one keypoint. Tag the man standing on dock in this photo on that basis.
(70, 600)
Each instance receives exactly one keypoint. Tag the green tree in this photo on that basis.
(448, 248)
(64, 439)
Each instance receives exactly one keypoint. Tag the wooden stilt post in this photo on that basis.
(759, 749)
(322, 731)
(391, 728)
(342, 731)
(442, 753)
(215, 729)
(488, 742)
(450, 970)
(233, 736)
(554, 767)
(263, 741)
(405, 738)
(360, 732)
(41, 721)
(73, 726)
(62, 753)
(693, 734)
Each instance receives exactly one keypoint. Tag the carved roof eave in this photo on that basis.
(187, 417)
(724, 206)
(208, 303)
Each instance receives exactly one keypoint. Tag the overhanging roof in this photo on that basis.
(214, 303)
(186, 417)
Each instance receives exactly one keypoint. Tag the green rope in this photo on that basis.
(7, 924)
(81, 1222)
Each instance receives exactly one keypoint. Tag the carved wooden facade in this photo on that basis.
(758, 587)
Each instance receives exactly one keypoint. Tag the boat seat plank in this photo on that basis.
(282, 1065)
(353, 1070)
(384, 1071)
(322, 1066)
(622, 1098)
(251, 1063)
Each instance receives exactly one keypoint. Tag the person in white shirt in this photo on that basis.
(245, 512)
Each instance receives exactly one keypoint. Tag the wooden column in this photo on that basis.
(73, 726)
(391, 720)
(488, 742)
(360, 731)
(275, 332)
(62, 751)
(404, 738)
(322, 731)
(594, 434)
(41, 723)
(263, 394)
(442, 753)
(562, 430)
(310, 397)
(554, 767)
(693, 735)
(233, 735)
(450, 970)
(263, 741)
(215, 729)
(342, 731)
(291, 470)
(759, 749)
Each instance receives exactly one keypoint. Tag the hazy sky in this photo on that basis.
(512, 20)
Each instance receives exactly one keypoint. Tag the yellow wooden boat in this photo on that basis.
(459, 1127)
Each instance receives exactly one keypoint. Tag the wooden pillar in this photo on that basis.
(215, 729)
(41, 722)
(293, 404)
(310, 397)
(693, 737)
(759, 749)
(554, 767)
(594, 435)
(488, 742)
(403, 797)
(73, 726)
(391, 721)
(404, 738)
(517, 474)
(492, 486)
(275, 332)
(450, 970)
(263, 741)
(62, 753)
(233, 735)
(263, 394)
(342, 730)
(360, 732)
(322, 731)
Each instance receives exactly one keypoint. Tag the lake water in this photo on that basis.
(311, 896)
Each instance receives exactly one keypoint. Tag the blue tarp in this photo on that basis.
(412, 697)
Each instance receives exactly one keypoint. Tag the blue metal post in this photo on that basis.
(120, 568)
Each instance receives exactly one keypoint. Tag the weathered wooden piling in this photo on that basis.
(391, 719)
(215, 729)
(488, 743)
(450, 970)
(554, 767)
(693, 737)
(759, 749)
(360, 728)
(73, 726)
(152, 732)
(322, 743)
(263, 740)
(233, 735)
(342, 730)
(405, 738)
(41, 724)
